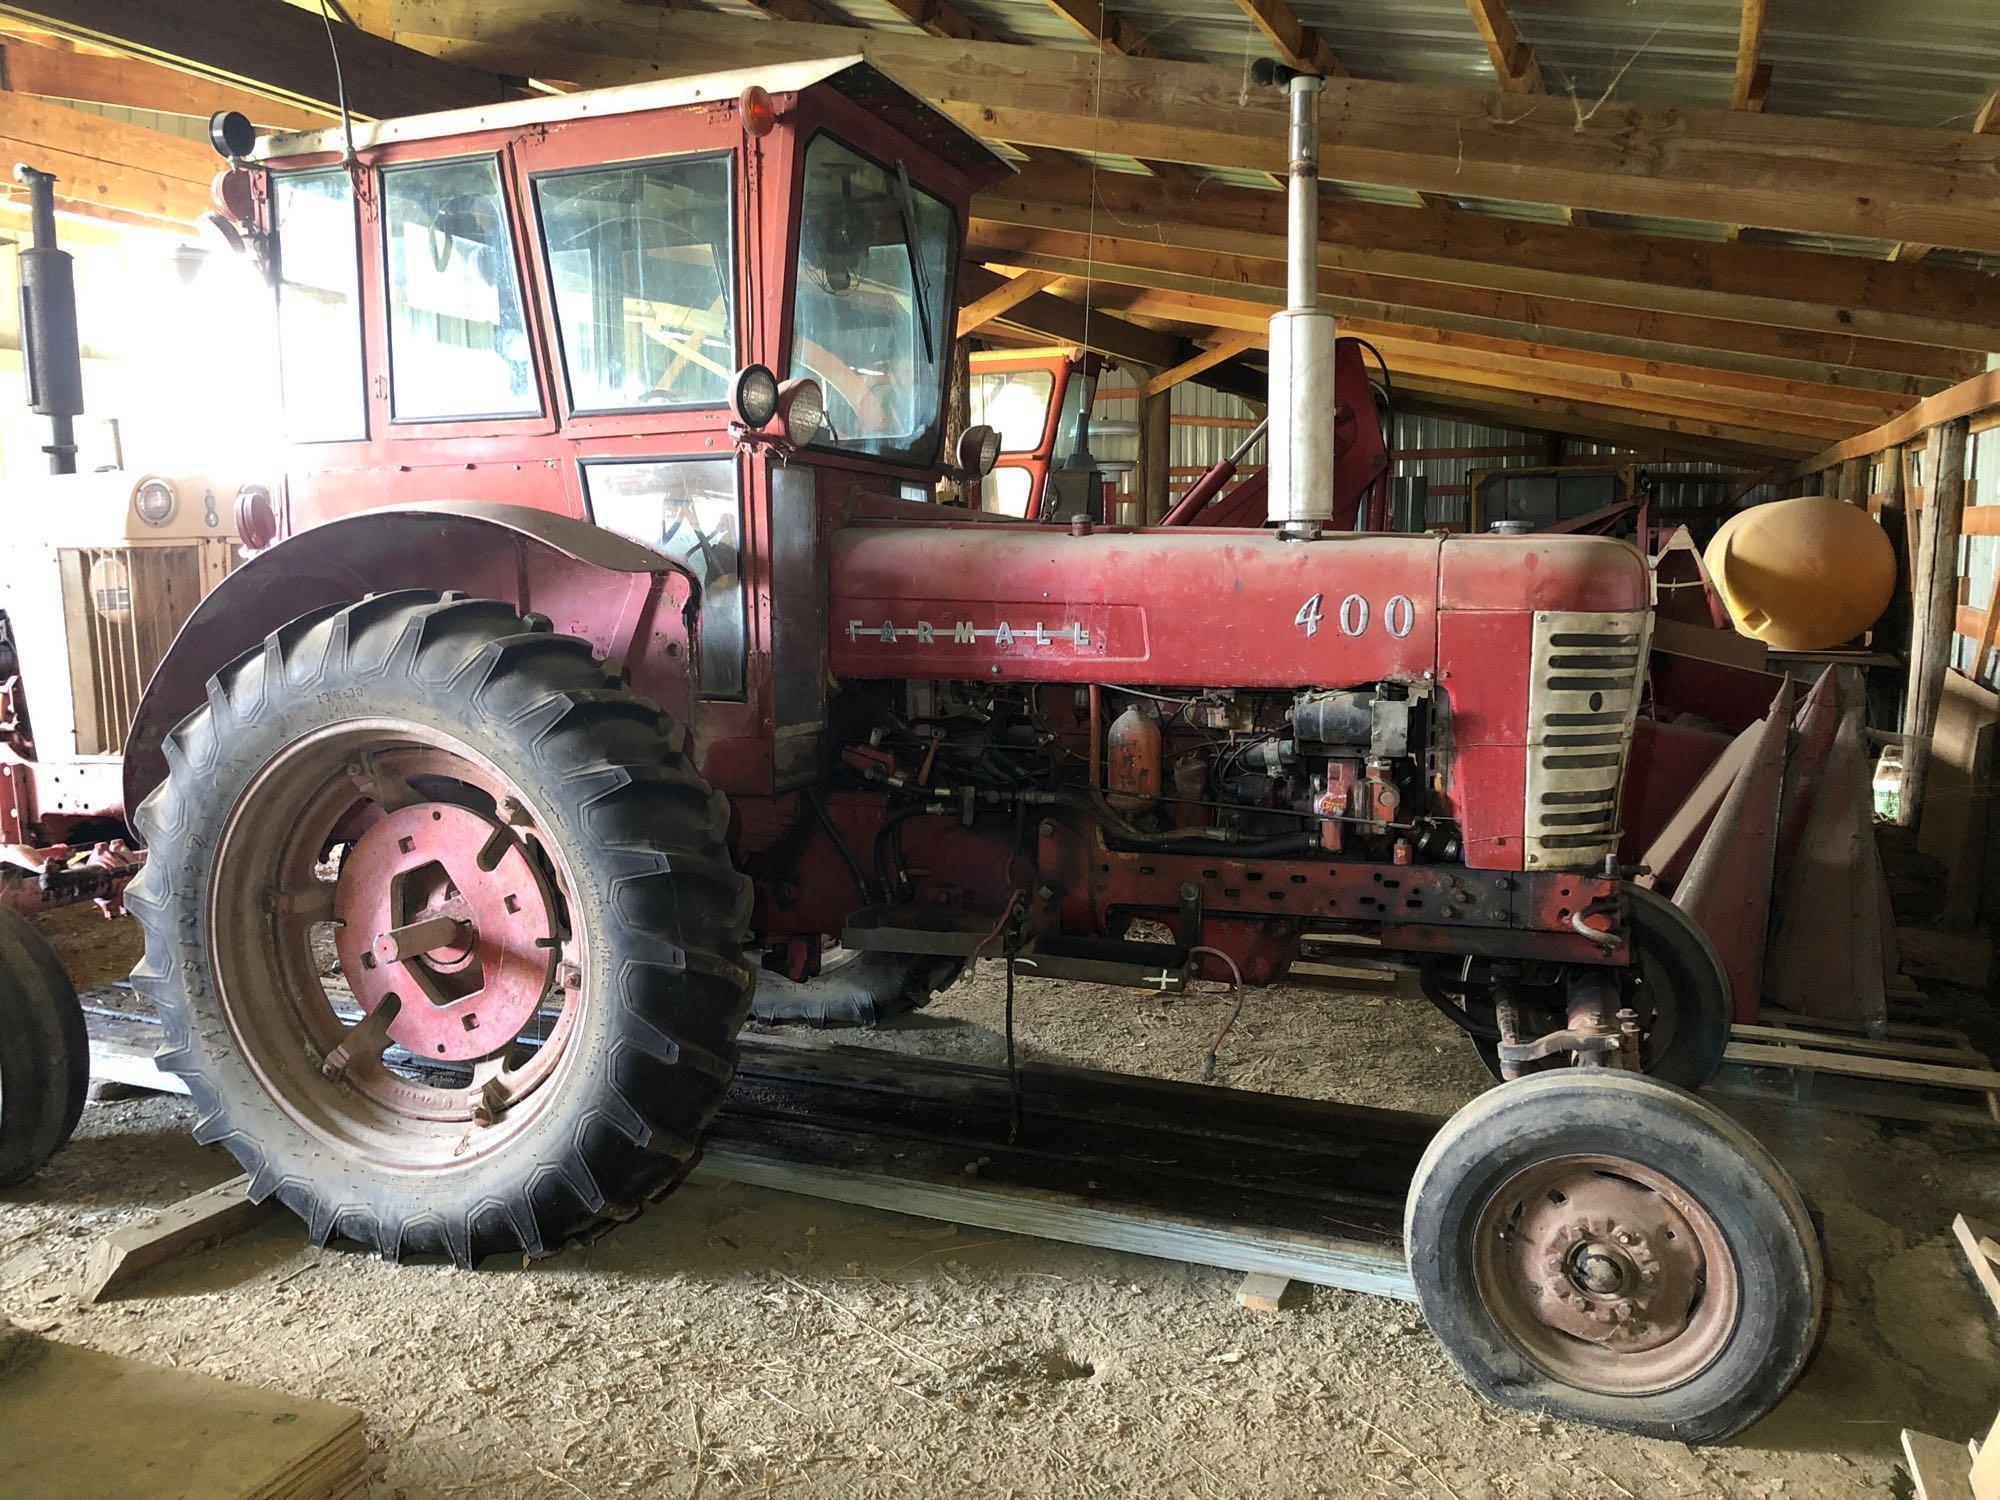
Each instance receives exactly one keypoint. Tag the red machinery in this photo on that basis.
(602, 668)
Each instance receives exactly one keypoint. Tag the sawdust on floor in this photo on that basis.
(740, 1342)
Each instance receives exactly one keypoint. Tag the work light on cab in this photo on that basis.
(978, 451)
(753, 396)
(801, 410)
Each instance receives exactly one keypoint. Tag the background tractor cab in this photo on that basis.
(1041, 403)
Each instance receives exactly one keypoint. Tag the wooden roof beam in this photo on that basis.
(104, 167)
(1986, 122)
(1813, 176)
(1513, 59)
(1297, 43)
(1138, 260)
(1842, 295)
(1753, 77)
(91, 78)
(1010, 294)
(269, 48)
(1225, 348)
(1098, 25)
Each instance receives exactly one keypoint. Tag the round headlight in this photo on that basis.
(256, 517)
(753, 396)
(978, 450)
(155, 501)
(802, 408)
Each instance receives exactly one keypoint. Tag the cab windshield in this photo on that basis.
(870, 319)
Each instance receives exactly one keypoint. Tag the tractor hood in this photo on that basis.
(1189, 607)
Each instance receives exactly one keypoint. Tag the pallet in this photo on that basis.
(1920, 1069)
(1293, 1188)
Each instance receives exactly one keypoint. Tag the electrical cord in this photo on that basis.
(1236, 985)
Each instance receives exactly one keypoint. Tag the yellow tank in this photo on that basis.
(1804, 574)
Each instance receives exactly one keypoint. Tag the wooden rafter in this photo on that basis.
(1986, 122)
(1138, 261)
(1098, 25)
(1297, 43)
(1782, 287)
(1753, 76)
(983, 310)
(93, 78)
(270, 48)
(1513, 59)
(1828, 176)
(1225, 348)
(106, 167)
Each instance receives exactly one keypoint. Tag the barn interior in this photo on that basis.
(1228, 747)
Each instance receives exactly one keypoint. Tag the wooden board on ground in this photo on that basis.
(208, 1218)
(1939, 1470)
(76, 1424)
(1982, 1253)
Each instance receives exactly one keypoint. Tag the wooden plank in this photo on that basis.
(1109, 255)
(1819, 175)
(1966, 399)
(1207, 359)
(1933, 604)
(79, 1422)
(1982, 1254)
(104, 165)
(208, 1218)
(1513, 59)
(131, 84)
(1939, 1470)
(1753, 283)
(1294, 41)
(1941, 1049)
(1263, 1292)
(1887, 1069)
(1353, 1266)
(983, 310)
(1743, 92)
(268, 47)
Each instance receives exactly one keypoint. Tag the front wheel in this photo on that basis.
(44, 1051)
(1605, 1248)
(442, 929)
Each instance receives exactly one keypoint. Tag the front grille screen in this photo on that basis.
(1589, 670)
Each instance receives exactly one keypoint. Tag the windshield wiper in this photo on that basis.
(906, 207)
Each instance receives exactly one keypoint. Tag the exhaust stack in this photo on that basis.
(1302, 337)
(49, 345)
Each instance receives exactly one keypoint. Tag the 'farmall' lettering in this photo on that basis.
(965, 633)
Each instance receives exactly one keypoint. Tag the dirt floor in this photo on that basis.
(735, 1341)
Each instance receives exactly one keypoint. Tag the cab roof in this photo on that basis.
(852, 75)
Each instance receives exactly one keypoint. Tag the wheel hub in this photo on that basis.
(1609, 1262)
(442, 913)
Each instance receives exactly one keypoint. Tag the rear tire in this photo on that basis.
(44, 1051)
(857, 989)
(584, 801)
(1602, 1247)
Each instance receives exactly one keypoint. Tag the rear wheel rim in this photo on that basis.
(456, 900)
(1606, 1275)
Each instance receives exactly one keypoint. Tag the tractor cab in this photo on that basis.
(1041, 404)
(697, 313)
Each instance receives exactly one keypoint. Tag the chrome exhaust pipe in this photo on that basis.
(1302, 337)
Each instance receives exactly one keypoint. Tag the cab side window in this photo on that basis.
(458, 344)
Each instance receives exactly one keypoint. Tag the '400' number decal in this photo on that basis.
(1399, 615)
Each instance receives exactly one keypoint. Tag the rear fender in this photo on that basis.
(630, 602)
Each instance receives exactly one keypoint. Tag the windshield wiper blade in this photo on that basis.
(906, 207)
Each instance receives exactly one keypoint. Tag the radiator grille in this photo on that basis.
(1589, 670)
(123, 607)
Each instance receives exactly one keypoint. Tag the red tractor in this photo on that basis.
(616, 663)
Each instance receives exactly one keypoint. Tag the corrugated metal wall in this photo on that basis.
(1978, 556)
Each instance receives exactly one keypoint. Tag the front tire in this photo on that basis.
(538, 983)
(1605, 1248)
(44, 1051)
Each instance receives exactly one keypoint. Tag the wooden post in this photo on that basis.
(1854, 481)
(1156, 455)
(1934, 605)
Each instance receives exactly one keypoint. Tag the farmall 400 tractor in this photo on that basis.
(616, 657)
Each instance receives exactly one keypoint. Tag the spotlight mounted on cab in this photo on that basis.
(758, 398)
(978, 452)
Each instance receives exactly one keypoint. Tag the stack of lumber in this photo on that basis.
(78, 1423)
